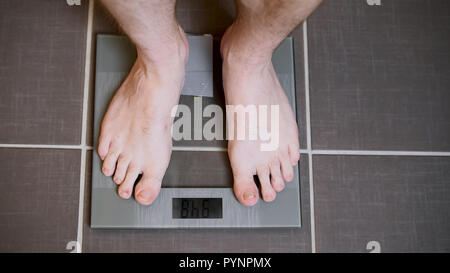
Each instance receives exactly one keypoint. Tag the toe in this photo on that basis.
(109, 164)
(245, 189)
(121, 170)
(147, 189)
(294, 154)
(276, 178)
(103, 146)
(126, 187)
(286, 167)
(267, 191)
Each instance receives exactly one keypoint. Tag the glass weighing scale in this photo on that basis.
(197, 188)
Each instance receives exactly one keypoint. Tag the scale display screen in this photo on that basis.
(196, 208)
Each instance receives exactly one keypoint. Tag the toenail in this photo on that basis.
(269, 198)
(124, 194)
(145, 195)
(248, 195)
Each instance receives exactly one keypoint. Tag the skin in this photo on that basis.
(249, 78)
(135, 134)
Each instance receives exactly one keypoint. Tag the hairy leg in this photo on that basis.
(249, 79)
(135, 135)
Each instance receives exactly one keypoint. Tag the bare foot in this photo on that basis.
(135, 134)
(250, 79)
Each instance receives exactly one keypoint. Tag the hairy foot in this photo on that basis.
(250, 79)
(135, 135)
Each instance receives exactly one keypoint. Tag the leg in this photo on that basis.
(135, 134)
(249, 79)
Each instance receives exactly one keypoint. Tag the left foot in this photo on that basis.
(250, 79)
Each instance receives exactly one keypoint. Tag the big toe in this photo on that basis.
(147, 189)
(245, 190)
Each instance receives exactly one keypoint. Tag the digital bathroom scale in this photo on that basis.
(197, 188)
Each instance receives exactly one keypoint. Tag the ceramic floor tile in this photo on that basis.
(41, 71)
(380, 75)
(39, 199)
(400, 202)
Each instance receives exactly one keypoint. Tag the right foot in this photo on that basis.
(249, 78)
(135, 135)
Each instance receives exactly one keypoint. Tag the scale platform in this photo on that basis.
(197, 188)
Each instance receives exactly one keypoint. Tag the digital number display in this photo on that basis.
(196, 208)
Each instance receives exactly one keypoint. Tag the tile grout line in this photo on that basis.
(87, 74)
(380, 153)
(46, 146)
(308, 135)
(223, 149)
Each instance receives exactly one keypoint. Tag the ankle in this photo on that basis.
(168, 52)
(238, 48)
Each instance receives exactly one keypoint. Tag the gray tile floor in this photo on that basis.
(41, 71)
(380, 75)
(373, 116)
